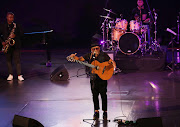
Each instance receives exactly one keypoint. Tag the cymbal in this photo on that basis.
(109, 11)
(106, 17)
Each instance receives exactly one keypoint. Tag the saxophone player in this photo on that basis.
(12, 31)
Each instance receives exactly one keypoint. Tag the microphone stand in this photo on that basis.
(172, 44)
(149, 11)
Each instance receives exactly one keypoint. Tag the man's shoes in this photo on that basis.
(104, 115)
(96, 116)
(10, 77)
(48, 64)
(20, 78)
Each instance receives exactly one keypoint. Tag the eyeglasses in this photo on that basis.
(95, 49)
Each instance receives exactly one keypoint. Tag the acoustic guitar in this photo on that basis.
(104, 70)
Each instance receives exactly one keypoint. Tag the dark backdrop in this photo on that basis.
(75, 21)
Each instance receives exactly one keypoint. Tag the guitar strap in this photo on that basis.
(90, 57)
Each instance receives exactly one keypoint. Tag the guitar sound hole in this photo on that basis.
(103, 70)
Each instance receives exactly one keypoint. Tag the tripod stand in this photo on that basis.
(172, 62)
(154, 44)
(97, 122)
(172, 44)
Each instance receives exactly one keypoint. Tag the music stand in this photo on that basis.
(48, 63)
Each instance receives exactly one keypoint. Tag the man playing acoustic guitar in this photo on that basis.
(98, 86)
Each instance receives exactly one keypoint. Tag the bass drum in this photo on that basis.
(129, 43)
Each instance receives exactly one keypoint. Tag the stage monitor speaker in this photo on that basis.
(59, 74)
(20, 121)
(150, 122)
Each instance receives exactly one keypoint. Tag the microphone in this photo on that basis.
(94, 55)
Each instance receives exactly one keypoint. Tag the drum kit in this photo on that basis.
(117, 38)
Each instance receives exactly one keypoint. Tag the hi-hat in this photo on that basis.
(109, 11)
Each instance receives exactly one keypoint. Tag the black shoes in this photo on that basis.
(104, 115)
(96, 116)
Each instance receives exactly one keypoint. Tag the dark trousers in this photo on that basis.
(13, 54)
(48, 52)
(99, 86)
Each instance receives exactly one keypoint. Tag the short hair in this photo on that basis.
(10, 13)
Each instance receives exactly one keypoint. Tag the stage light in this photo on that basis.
(153, 85)
(102, 42)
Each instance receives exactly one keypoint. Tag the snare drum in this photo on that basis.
(121, 25)
(134, 26)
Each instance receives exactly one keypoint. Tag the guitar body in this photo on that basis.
(103, 70)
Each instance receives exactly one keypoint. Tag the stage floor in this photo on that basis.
(66, 104)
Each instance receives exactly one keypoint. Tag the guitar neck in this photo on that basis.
(86, 64)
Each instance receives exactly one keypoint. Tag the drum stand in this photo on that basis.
(105, 28)
(154, 46)
(107, 37)
(144, 44)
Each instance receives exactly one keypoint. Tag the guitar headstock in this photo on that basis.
(71, 59)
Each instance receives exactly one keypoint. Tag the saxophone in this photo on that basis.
(9, 42)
